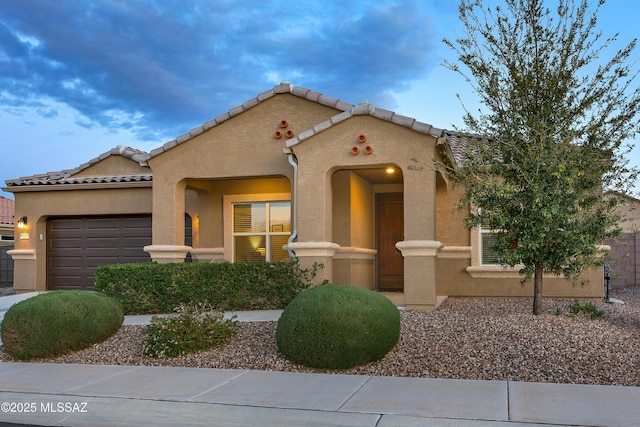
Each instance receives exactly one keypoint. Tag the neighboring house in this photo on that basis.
(350, 187)
(624, 258)
(6, 221)
(6, 244)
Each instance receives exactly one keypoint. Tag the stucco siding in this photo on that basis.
(113, 165)
(243, 146)
(455, 281)
(353, 210)
(450, 228)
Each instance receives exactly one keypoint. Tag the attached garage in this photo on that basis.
(76, 246)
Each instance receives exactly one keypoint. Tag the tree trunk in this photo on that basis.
(537, 290)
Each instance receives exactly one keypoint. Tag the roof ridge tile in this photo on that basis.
(402, 120)
(364, 108)
(283, 87)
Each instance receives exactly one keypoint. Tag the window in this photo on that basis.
(488, 254)
(260, 229)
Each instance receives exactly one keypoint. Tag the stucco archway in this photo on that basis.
(365, 254)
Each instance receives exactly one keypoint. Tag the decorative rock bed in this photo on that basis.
(480, 339)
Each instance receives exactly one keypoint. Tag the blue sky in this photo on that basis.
(80, 77)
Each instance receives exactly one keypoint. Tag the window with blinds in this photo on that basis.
(488, 254)
(260, 230)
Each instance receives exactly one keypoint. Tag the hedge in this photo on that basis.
(152, 288)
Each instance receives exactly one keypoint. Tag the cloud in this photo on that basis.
(161, 67)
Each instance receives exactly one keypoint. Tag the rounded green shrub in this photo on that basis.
(59, 322)
(337, 327)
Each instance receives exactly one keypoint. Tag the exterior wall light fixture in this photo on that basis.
(22, 223)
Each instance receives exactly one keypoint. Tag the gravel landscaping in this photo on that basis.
(479, 339)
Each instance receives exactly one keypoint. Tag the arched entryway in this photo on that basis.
(367, 221)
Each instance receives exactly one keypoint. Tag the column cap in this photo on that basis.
(167, 253)
(419, 247)
(22, 253)
(307, 249)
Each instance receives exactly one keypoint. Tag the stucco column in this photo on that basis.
(24, 270)
(318, 253)
(419, 205)
(168, 222)
(420, 273)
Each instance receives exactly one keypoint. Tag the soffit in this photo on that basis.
(380, 176)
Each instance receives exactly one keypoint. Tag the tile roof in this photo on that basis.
(53, 178)
(66, 176)
(364, 108)
(455, 143)
(6, 210)
(459, 145)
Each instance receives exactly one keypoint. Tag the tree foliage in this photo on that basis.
(555, 124)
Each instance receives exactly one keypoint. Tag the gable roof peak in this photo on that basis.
(131, 153)
(65, 176)
(366, 108)
(283, 88)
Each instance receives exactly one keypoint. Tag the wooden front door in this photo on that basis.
(390, 230)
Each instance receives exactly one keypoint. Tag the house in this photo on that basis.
(6, 244)
(6, 221)
(624, 257)
(351, 187)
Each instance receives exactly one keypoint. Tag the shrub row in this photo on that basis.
(58, 322)
(151, 288)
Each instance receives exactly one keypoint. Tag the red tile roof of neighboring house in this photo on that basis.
(6, 210)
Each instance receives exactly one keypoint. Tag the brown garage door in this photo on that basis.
(76, 246)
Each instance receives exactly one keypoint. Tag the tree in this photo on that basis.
(554, 130)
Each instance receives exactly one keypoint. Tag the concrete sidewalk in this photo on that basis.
(95, 395)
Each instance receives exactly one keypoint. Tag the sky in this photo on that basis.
(78, 78)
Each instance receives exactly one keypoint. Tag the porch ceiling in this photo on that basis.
(380, 176)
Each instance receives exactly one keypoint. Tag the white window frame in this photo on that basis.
(478, 269)
(484, 232)
(230, 200)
